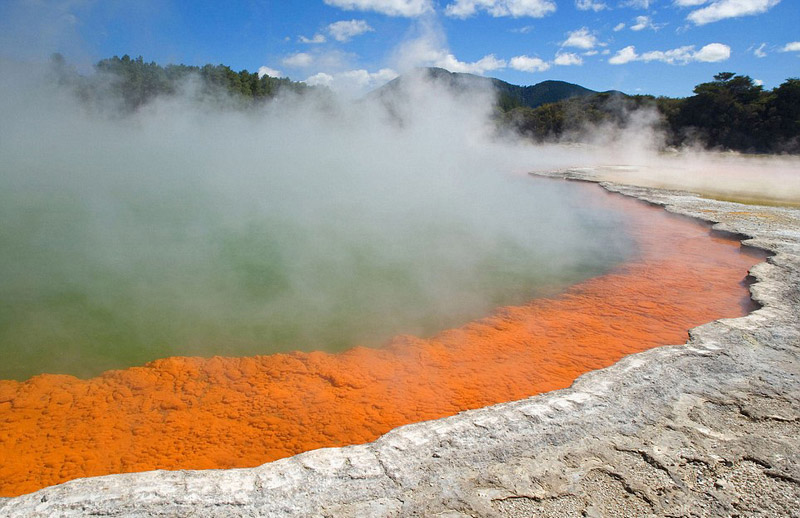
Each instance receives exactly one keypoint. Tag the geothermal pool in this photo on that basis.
(108, 276)
(222, 412)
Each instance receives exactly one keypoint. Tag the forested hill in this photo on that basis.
(508, 96)
(731, 112)
(136, 82)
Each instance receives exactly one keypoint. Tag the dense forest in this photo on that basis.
(731, 112)
(135, 82)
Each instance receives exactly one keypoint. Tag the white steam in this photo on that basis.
(308, 223)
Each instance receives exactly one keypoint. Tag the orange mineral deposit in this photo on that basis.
(196, 413)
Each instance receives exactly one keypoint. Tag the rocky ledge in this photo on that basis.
(707, 428)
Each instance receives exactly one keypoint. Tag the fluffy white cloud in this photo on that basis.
(354, 82)
(485, 64)
(430, 49)
(317, 38)
(581, 38)
(758, 82)
(759, 51)
(498, 8)
(345, 30)
(680, 55)
(298, 60)
(590, 5)
(320, 79)
(625, 55)
(711, 53)
(618, 27)
(722, 9)
(642, 22)
(407, 8)
(567, 59)
(793, 46)
(528, 64)
(266, 71)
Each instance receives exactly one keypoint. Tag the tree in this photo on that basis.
(783, 110)
(727, 113)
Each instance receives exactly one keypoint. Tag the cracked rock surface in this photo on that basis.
(708, 428)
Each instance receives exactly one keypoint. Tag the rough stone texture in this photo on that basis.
(709, 428)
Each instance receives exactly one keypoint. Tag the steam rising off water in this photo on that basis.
(186, 230)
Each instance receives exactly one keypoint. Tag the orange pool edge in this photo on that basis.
(196, 413)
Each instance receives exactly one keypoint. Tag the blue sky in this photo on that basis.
(659, 47)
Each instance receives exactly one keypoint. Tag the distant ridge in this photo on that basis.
(509, 96)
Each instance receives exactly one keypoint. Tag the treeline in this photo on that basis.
(731, 112)
(135, 82)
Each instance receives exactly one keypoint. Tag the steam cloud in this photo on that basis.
(309, 223)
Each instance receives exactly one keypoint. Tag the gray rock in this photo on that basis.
(709, 428)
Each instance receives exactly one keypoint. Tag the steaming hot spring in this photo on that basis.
(189, 289)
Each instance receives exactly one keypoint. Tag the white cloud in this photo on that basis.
(345, 30)
(485, 64)
(590, 53)
(759, 51)
(320, 79)
(317, 38)
(523, 30)
(528, 64)
(625, 55)
(618, 27)
(641, 4)
(758, 82)
(680, 55)
(430, 49)
(642, 22)
(793, 46)
(298, 60)
(498, 8)
(590, 5)
(353, 82)
(266, 71)
(711, 53)
(567, 59)
(690, 3)
(581, 39)
(407, 8)
(722, 9)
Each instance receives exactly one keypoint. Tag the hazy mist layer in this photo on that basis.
(308, 224)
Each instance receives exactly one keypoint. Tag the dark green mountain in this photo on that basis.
(509, 96)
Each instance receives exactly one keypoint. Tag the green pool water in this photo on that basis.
(91, 281)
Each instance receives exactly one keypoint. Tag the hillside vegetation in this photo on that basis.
(731, 112)
(134, 82)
